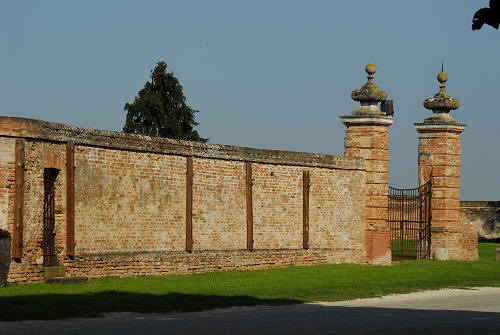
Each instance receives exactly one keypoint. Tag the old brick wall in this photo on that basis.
(336, 209)
(130, 203)
(277, 206)
(219, 221)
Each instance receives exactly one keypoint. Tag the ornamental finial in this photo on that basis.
(442, 103)
(369, 95)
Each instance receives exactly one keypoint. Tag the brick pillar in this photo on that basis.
(439, 155)
(367, 136)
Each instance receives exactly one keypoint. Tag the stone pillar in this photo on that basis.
(439, 159)
(367, 136)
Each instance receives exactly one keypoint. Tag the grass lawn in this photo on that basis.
(409, 248)
(236, 288)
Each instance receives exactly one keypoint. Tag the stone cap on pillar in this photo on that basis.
(369, 95)
(441, 105)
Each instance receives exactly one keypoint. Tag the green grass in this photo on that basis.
(236, 288)
(410, 248)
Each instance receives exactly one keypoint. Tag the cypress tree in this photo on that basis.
(160, 109)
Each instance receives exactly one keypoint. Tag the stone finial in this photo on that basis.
(369, 95)
(441, 104)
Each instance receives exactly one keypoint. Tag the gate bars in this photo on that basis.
(48, 245)
(409, 219)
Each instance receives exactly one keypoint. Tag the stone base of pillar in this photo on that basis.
(378, 245)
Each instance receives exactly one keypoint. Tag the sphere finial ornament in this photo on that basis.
(441, 104)
(369, 95)
(442, 77)
(370, 68)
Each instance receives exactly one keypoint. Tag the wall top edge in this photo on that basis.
(480, 203)
(58, 132)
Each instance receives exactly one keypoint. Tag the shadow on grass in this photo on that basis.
(59, 306)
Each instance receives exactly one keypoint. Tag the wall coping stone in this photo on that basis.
(57, 132)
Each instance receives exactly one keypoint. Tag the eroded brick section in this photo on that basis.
(219, 211)
(336, 209)
(128, 201)
(277, 206)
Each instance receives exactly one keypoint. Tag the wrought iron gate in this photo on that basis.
(410, 222)
(49, 220)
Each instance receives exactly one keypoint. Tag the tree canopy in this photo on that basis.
(160, 109)
(490, 16)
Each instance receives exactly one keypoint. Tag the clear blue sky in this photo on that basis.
(266, 74)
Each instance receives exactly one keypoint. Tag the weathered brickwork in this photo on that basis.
(128, 201)
(439, 160)
(158, 263)
(439, 156)
(219, 211)
(368, 138)
(336, 218)
(130, 204)
(277, 203)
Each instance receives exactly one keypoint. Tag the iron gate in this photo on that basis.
(409, 218)
(49, 220)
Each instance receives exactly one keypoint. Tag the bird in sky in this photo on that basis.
(490, 16)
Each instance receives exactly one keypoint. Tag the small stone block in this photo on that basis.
(54, 271)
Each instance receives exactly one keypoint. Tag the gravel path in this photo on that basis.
(450, 311)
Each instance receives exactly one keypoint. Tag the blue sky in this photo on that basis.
(266, 74)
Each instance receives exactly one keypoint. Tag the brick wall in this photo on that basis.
(336, 209)
(130, 203)
(277, 204)
(219, 212)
